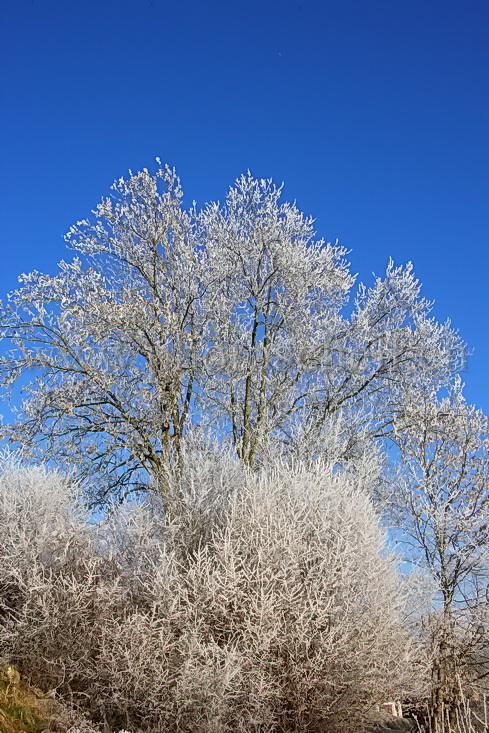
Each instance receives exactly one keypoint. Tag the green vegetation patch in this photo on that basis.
(20, 718)
(19, 709)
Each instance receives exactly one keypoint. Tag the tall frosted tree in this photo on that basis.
(113, 340)
(285, 358)
(440, 499)
(232, 317)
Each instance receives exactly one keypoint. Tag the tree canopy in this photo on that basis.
(234, 316)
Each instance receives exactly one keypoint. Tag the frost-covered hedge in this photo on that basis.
(271, 607)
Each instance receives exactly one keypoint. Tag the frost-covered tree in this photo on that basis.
(285, 358)
(441, 501)
(233, 316)
(114, 341)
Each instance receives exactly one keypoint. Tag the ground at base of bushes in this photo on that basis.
(26, 709)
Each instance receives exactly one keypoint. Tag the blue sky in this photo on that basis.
(375, 114)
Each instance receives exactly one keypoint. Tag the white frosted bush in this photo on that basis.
(55, 590)
(285, 614)
(288, 618)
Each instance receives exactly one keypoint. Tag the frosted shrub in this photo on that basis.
(288, 618)
(285, 615)
(55, 592)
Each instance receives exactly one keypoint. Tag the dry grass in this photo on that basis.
(25, 709)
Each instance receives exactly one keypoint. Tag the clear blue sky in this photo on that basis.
(374, 113)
